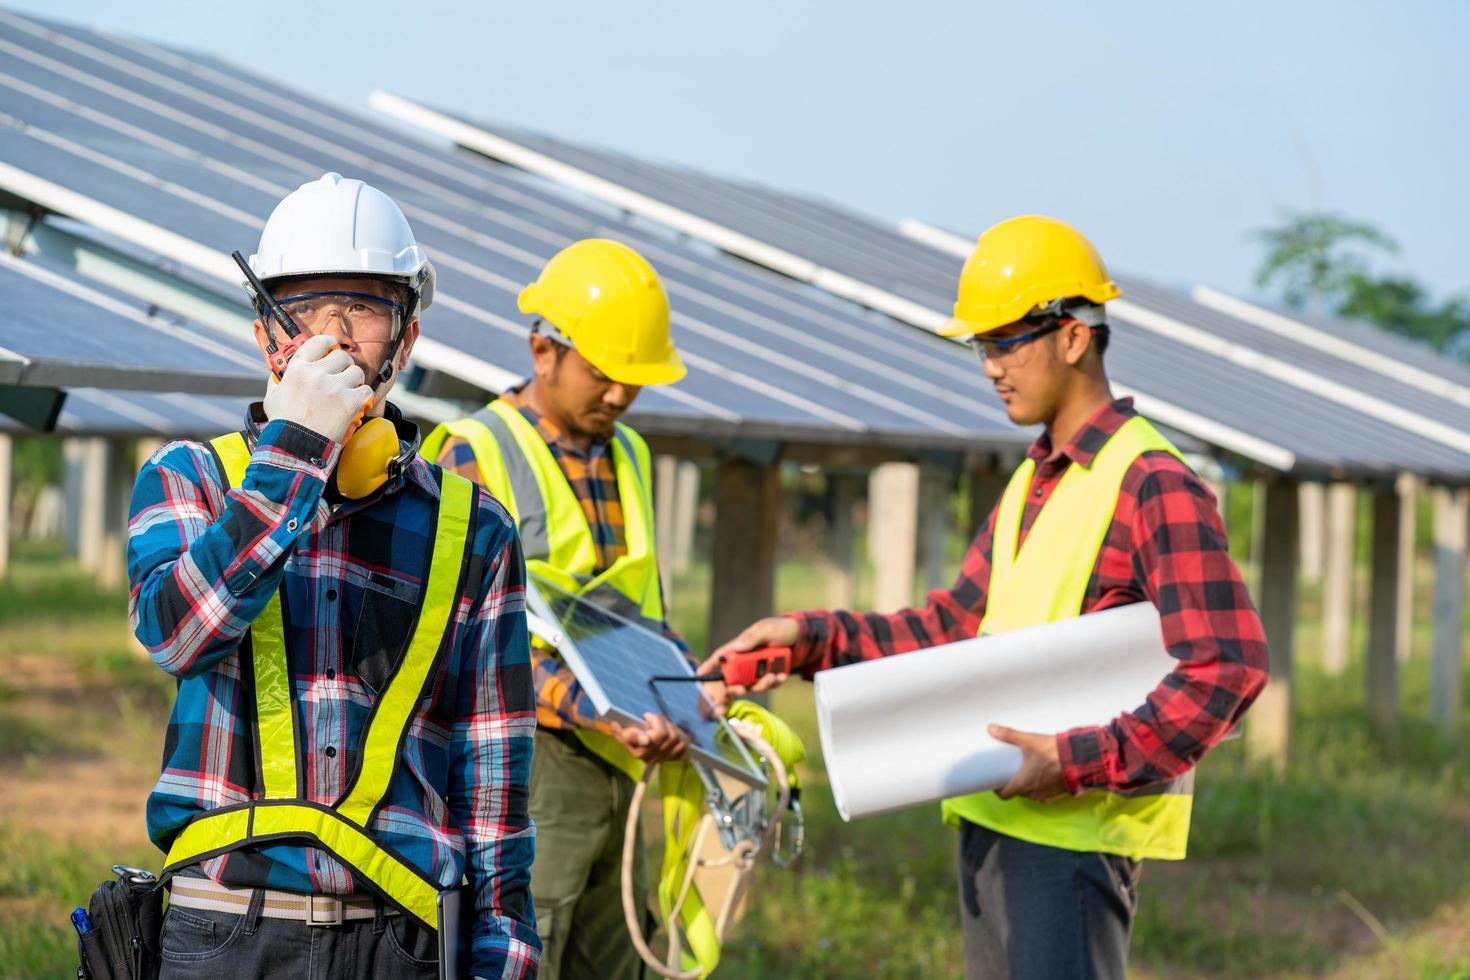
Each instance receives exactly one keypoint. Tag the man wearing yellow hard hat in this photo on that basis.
(1102, 512)
(578, 481)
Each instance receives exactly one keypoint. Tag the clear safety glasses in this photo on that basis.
(364, 317)
(1009, 348)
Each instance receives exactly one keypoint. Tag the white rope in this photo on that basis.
(743, 855)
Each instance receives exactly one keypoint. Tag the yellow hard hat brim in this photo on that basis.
(966, 328)
(644, 375)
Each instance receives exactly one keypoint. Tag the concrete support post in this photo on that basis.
(665, 475)
(987, 483)
(686, 514)
(1258, 535)
(121, 470)
(1268, 726)
(1337, 577)
(893, 509)
(1383, 609)
(145, 450)
(935, 524)
(1221, 490)
(6, 447)
(844, 490)
(747, 519)
(86, 499)
(1451, 525)
(1408, 490)
(1313, 520)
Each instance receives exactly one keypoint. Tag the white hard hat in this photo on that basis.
(338, 226)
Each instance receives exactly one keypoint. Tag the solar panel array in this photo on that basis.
(59, 332)
(1288, 405)
(185, 156)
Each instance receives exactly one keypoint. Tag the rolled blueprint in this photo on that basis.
(910, 729)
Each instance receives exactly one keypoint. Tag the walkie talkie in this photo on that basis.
(295, 336)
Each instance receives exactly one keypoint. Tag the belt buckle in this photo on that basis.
(337, 907)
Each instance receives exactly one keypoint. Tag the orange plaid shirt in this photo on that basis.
(561, 702)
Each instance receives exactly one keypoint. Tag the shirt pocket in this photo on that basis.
(386, 610)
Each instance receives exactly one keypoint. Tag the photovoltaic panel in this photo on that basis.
(629, 671)
(203, 150)
(56, 332)
(1252, 395)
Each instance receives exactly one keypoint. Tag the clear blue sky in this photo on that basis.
(1166, 131)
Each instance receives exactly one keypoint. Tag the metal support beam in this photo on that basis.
(1451, 524)
(1337, 577)
(893, 510)
(1383, 609)
(747, 518)
(1268, 726)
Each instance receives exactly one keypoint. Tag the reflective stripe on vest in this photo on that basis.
(340, 829)
(1046, 580)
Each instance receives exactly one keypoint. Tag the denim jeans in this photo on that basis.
(199, 944)
(1032, 912)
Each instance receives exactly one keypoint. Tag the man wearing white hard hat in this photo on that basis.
(351, 740)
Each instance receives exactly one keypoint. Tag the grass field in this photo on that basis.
(1356, 863)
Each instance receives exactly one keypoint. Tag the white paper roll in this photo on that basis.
(910, 729)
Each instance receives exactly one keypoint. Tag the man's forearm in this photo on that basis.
(200, 579)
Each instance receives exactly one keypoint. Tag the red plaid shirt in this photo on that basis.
(1166, 545)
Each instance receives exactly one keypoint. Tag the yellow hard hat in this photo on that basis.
(1023, 264)
(608, 302)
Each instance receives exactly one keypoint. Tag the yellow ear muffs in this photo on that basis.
(363, 466)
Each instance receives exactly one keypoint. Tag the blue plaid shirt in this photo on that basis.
(203, 560)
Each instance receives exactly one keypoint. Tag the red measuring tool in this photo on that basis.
(744, 669)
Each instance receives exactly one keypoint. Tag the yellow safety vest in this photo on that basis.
(341, 829)
(519, 470)
(1045, 581)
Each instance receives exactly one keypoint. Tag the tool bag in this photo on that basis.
(127, 918)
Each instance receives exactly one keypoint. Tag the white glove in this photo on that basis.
(322, 389)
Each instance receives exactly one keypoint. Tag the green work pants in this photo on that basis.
(580, 806)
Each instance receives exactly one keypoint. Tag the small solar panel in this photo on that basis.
(628, 670)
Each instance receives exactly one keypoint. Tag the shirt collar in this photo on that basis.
(418, 470)
(1087, 441)
(550, 432)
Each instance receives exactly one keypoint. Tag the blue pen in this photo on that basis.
(81, 921)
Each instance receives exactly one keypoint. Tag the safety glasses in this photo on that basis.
(363, 315)
(987, 349)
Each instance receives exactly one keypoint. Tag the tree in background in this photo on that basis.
(1321, 262)
(1311, 257)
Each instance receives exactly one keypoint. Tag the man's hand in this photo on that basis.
(777, 631)
(1040, 775)
(323, 389)
(656, 740)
